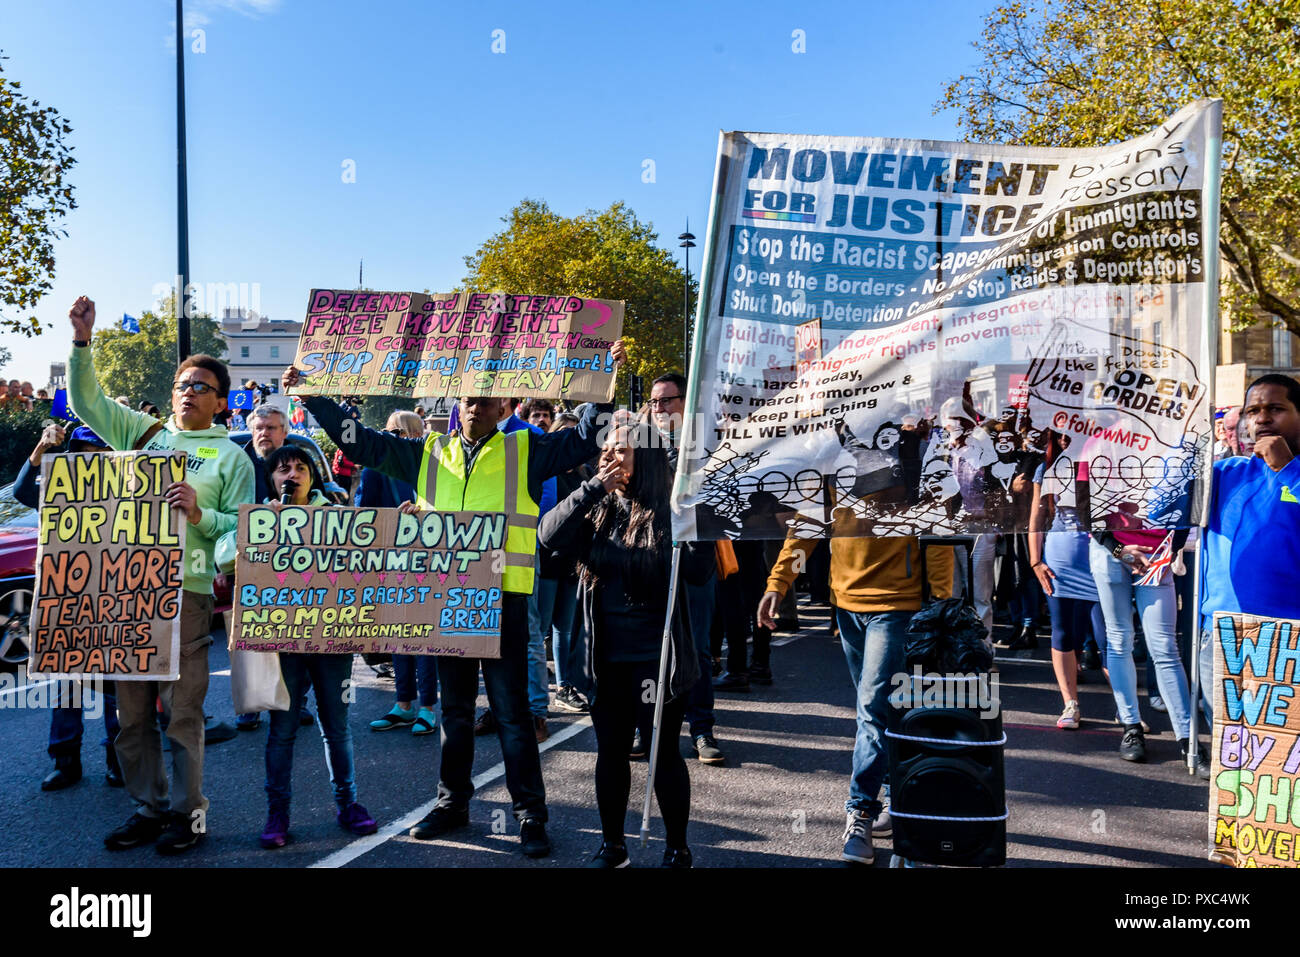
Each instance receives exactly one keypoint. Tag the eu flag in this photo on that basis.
(60, 409)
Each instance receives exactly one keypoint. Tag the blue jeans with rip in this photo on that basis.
(1158, 607)
(873, 648)
(327, 674)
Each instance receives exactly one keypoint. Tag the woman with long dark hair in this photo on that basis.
(617, 526)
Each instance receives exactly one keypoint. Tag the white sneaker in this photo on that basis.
(1158, 703)
(1070, 716)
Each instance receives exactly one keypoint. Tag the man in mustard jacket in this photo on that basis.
(876, 588)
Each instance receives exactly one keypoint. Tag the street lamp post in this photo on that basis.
(182, 202)
(686, 244)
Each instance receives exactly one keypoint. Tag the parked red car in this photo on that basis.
(18, 536)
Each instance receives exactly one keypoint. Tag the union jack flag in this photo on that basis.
(1158, 562)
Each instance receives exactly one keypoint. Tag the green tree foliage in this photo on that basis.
(142, 365)
(603, 255)
(20, 429)
(1088, 72)
(5, 357)
(34, 196)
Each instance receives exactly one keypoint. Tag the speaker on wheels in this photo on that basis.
(948, 783)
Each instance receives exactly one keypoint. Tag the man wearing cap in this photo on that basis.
(66, 724)
(218, 479)
(480, 468)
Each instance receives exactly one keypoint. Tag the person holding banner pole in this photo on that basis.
(616, 526)
(480, 468)
(219, 478)
(1119, 560)
(1251, 549)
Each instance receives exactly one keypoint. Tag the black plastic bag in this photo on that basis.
(947, 637)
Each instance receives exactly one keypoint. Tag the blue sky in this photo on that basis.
(445, 134)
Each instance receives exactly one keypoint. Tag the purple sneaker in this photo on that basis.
(357, 820)
(276, 832)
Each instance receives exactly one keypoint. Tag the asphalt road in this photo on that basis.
(777, 802)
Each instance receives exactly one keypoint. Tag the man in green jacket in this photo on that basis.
(218, 479)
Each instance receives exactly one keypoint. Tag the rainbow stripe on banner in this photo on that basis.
(784, 217)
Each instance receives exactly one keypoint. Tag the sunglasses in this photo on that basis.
(198, 388)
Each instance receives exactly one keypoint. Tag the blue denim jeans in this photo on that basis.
(416, 678)
(539, 695)
(1206, 669)
(1158, 607)
(66, 725)
(557, 602)
(328, 675)
(873, 648)
(699, 701)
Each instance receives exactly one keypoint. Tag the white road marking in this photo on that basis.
(363, 845)
(31, 687)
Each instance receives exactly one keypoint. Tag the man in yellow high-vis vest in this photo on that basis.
(479, 468)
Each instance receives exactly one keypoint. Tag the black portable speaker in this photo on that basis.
(948, 791)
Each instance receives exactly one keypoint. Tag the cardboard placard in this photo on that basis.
(451, 344)
(109, 567)
(336, 580)
(1255, 760)
(1230, 385)
(807, 353)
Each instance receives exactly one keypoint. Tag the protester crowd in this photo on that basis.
(585, 588)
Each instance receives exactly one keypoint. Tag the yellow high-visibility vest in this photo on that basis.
(497, 482)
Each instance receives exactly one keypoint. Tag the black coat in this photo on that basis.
(567, 530)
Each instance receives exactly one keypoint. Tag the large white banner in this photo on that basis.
(983, 310)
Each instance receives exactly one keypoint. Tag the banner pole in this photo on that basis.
(1213, 160)
(702, 306)
(659, 693)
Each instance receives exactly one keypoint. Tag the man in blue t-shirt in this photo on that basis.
(1252, 537)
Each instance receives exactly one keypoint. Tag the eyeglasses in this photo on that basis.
(663, 400)
(198, 388)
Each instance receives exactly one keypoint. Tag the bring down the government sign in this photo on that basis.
(982, 310)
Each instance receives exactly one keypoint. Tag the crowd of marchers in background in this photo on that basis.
(586, 585)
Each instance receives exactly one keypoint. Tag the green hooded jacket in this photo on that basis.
(219, 471)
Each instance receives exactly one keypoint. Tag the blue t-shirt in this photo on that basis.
(1252, 541)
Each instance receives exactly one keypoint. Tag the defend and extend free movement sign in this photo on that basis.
(452, 344)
